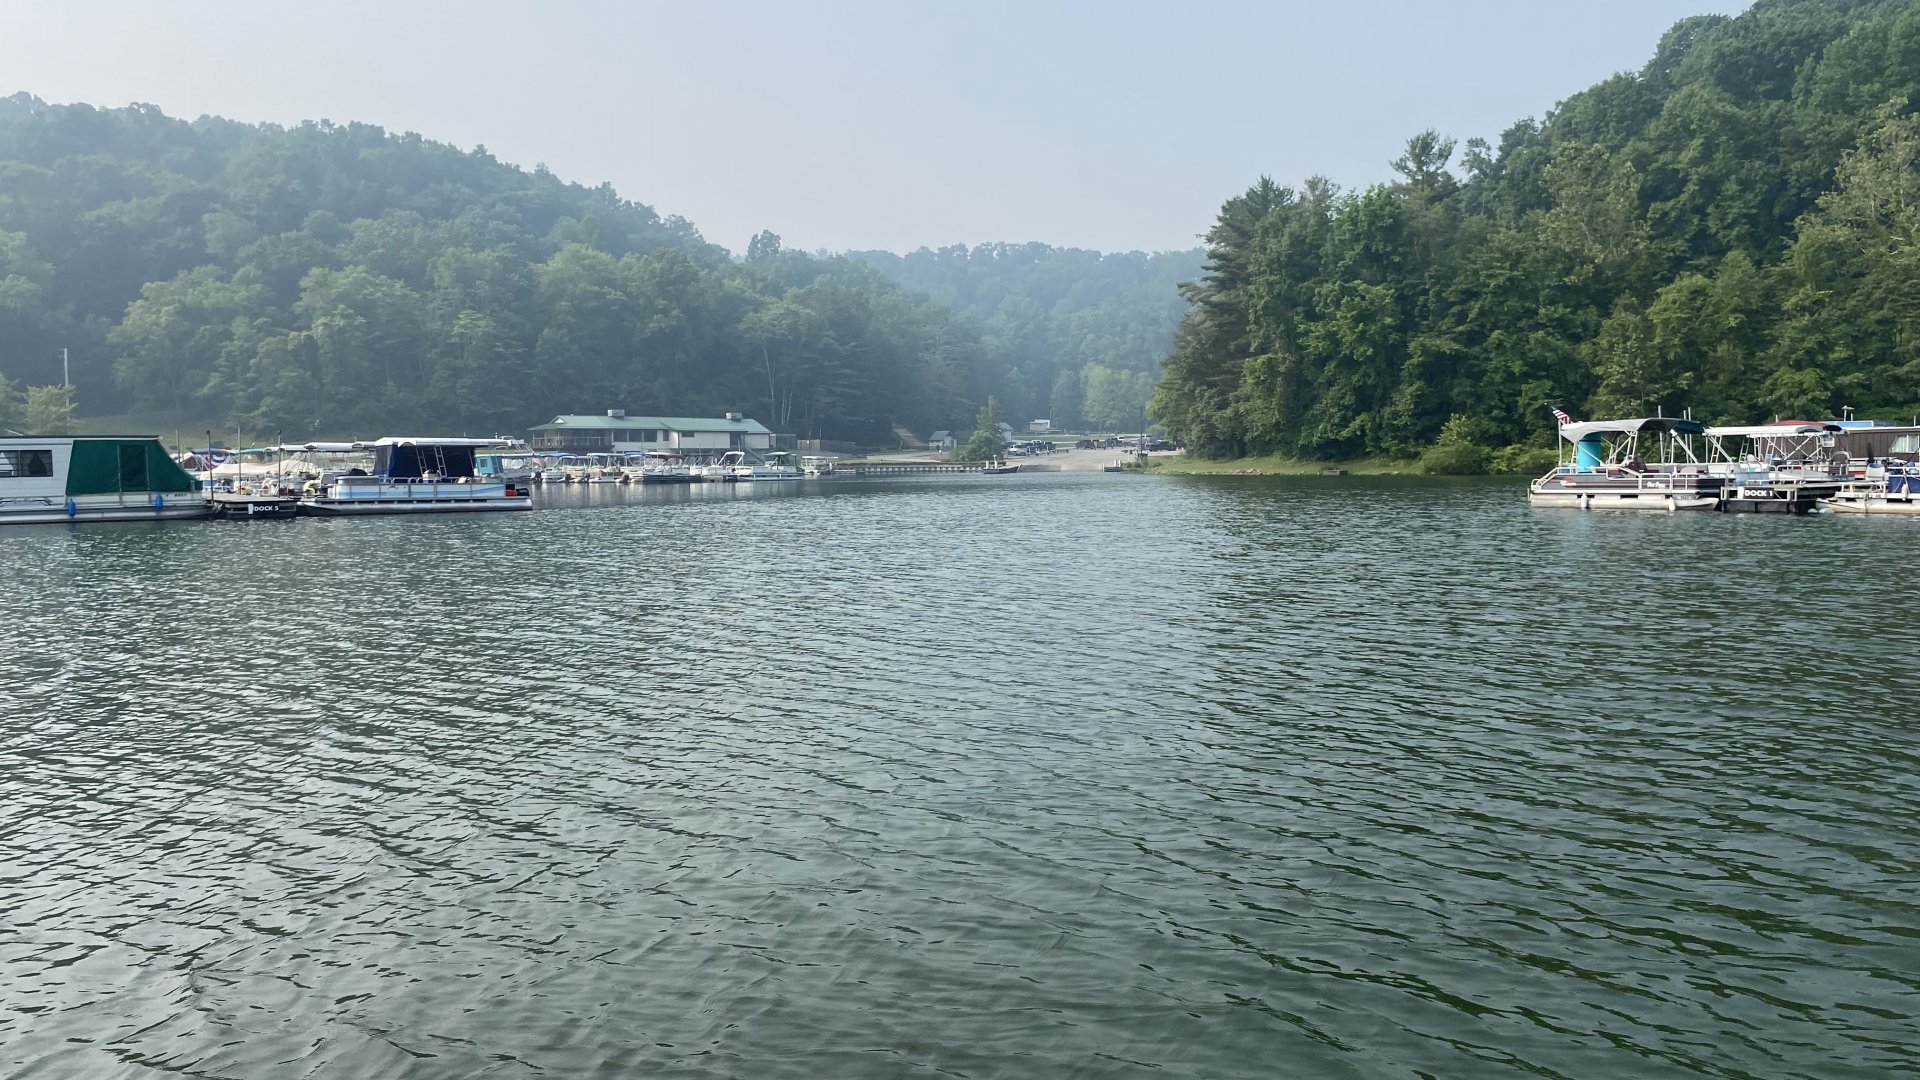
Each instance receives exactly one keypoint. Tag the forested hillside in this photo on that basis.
(1070, 334)
(342, 280)
(1735, 229)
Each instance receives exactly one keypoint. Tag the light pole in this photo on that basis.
(66, 377)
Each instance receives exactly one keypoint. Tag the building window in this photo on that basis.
(15, 464)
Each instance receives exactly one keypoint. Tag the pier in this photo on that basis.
(904, 468)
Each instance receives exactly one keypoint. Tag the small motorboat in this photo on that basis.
(995, 468)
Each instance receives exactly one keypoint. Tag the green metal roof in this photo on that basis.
(670, 423)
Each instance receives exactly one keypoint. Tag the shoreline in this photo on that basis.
(1275, 465)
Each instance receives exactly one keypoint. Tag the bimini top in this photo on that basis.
(1772, 431)
(410, 440)
(1641, 425)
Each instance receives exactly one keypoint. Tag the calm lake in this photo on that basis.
(1036, 776)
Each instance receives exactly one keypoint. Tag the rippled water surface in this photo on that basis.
(1034, 776)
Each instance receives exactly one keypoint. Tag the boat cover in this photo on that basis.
(1677, 425)
(107, 466)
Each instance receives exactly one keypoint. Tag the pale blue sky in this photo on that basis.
(864, 124)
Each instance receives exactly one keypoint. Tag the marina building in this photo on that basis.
(616, 432)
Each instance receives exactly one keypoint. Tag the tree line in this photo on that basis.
(1070, 335)
(1733, 229)
(342, 280)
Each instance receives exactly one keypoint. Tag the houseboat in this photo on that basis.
(1647, 463)
(415, 476)
(94, 478)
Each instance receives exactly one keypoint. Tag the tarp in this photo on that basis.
(245, 470)
(106, 466)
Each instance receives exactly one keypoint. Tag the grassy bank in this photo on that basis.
(1274, 465)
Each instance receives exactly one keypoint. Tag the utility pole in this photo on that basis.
(66, 377)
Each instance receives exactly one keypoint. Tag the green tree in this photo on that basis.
(988, 443)
(13, 405)
(49, 410)
(788, 339)
(168, 339)
(1732, 231)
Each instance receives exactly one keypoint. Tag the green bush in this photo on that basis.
(1455, 459)
(1523, 460)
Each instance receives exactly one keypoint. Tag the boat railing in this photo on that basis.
(1661, 477)
(370, 486)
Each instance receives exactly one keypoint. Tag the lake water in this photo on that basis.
(1034, 776)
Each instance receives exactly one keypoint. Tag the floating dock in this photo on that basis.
(904, 468)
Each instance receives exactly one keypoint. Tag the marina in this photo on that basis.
(1662, 464)
(1677, 463)
(546, 634)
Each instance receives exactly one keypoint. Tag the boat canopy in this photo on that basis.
(406, 460)
(240, 470)
(1772, 431)
(1639, 426)
(105, 465)
(408, 440)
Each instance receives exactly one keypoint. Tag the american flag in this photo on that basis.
(1562, 417)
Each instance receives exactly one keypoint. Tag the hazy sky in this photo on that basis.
(893, 125)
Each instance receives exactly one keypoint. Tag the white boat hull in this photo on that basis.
(1873, 504)
(1610, 500)
(361, 495)
(325, 507)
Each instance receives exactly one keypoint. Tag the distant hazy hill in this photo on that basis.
(337, 279)
(1071, 331)
(1734, 228)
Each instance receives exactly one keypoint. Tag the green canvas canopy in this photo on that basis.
(106, 466)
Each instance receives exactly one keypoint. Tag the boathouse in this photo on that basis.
(617, 432)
